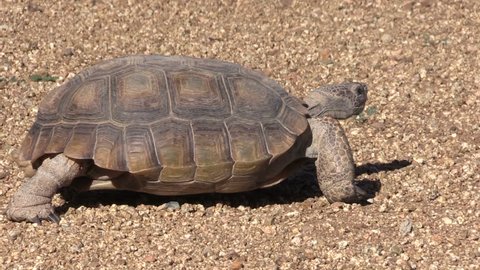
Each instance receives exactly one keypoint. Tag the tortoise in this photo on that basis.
(173, 125)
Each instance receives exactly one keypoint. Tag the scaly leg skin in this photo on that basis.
(335, 165)
(33, 201)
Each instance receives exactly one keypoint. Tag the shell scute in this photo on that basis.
(139, 95)
(212, 151)
(248, 148)
(109, 148)
(82, 142)
(198, 94)
(174, 147)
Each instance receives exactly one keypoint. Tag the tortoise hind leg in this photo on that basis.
(335, 165)
(32, 202)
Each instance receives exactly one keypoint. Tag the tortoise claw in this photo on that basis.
(36, 220)
(360, 193)
(54, 217)
(32, 214)
(51, 217)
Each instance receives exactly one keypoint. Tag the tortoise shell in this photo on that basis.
(181, 125)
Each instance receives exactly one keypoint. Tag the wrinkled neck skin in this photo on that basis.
(312, 150)
(320, 106)
(323, 105)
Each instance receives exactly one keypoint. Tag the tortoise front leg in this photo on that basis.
(33, 201)
(335, 165)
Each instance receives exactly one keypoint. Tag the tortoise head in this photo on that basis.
(339, 101)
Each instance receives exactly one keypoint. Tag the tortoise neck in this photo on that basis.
(312, 150)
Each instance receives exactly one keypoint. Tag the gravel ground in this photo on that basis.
(417, 143)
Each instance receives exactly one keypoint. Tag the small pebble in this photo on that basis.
(447, 220)
(12, 235)
(296, 241)
(150, 258)
(382, 208)
(236, 264)
(406, 227)
(386, 38)
(396, 250)
(343, 244)
(68, 52)
(172, 205)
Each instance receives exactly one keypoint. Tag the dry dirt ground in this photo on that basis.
(417, 143)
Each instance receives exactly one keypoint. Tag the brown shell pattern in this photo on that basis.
(179, 122)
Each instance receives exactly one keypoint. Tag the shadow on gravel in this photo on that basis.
(373, 186)
(371, 168)
(297, 188)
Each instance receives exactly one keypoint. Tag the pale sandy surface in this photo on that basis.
(420, 139)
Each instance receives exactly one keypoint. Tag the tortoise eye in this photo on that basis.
(360, 90)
